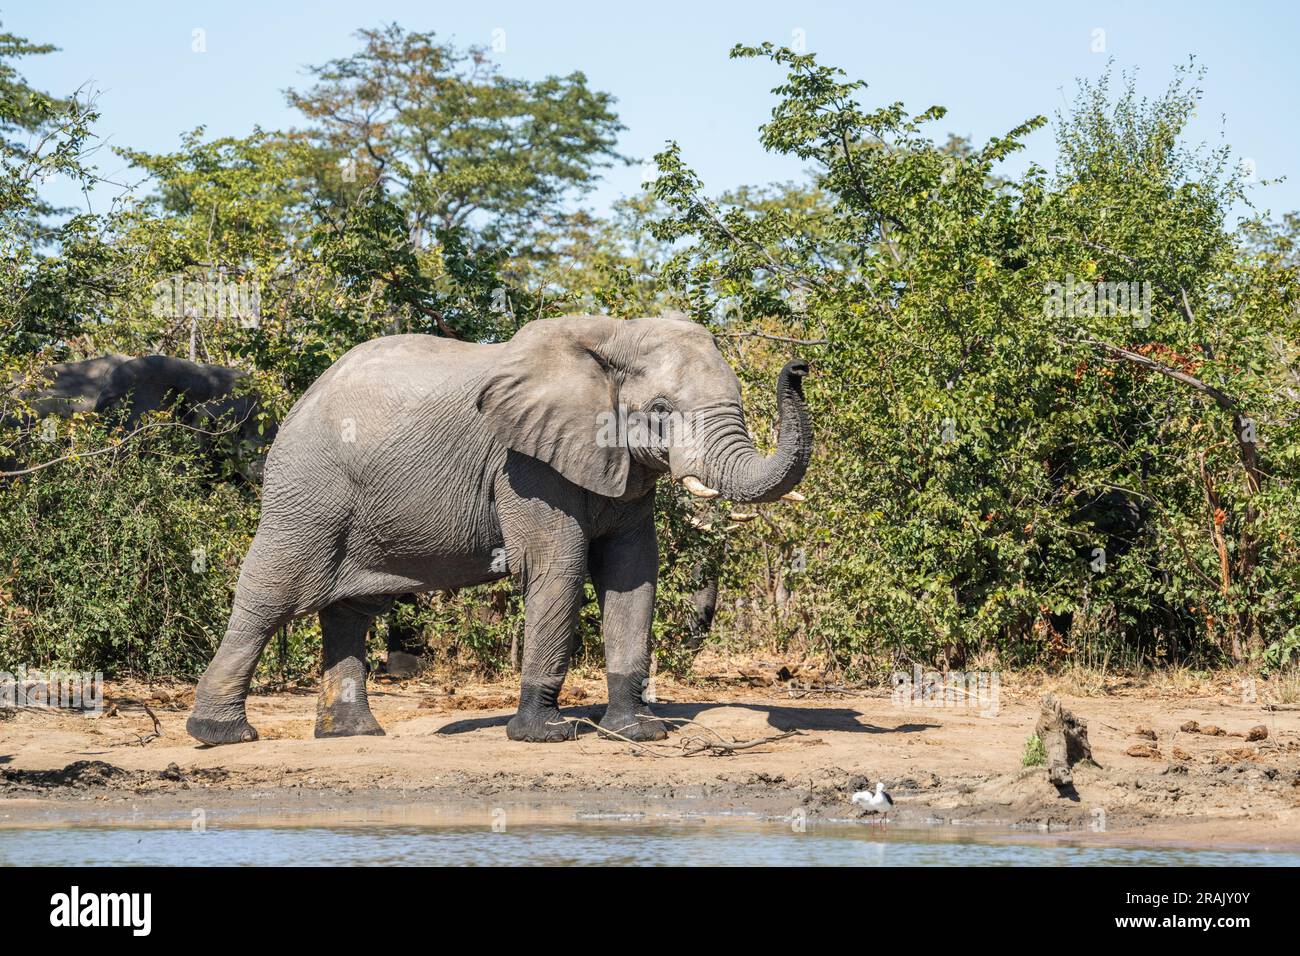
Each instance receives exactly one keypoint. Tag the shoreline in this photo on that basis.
(365, 809)
(446, 762)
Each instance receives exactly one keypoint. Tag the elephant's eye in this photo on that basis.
(659, 415)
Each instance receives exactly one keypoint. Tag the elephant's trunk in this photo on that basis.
(732, 465)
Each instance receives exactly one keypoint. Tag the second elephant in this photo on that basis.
(210, 398)
(69, 387)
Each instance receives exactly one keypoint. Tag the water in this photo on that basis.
(677, 844)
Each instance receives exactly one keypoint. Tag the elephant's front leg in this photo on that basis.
(552, 599)
(343, 708)
(624, 569)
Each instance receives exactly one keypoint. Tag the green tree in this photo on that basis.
(456, 142)
(55, 268)
(968, 426)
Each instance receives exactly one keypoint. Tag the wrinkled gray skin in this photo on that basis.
(70, 387)
(414, 460)
(207, 397)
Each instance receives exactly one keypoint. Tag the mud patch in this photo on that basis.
(91, 774)
(81, 774)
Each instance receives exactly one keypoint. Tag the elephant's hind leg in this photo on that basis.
(343, 709)
(219, 716)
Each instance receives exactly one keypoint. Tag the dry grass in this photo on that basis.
(1285, 687)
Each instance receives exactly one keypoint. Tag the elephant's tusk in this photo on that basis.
(793, 496)
(698, 488)
(742, 516)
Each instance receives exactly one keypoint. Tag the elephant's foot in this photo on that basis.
(347, 720)
(539, 719)
(343, 708)
(541, 727)
(639, 727)
(628, 715)
(214, 732)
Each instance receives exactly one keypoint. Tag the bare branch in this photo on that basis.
(1221, 398)
(113, 447)
(774, 338)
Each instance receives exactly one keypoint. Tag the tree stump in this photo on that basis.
(1065, 739)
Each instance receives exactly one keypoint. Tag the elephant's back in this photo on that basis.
(73, 386)
(382, 438)
(380, 397)
(153, 381)
(391, 373)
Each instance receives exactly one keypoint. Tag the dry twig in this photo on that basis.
(689, 746)
(157, 727)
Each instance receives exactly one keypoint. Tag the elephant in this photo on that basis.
(69, 387)
(206, 397)
(418, 462)
(57, 391)
(704, 607)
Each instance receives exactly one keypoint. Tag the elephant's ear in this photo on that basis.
(118, 396)
(133, 390)
(554, 397)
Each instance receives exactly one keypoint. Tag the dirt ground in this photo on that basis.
(446, 759)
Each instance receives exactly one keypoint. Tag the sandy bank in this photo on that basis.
(446, 759)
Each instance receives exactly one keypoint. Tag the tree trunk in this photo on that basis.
(1065, 738)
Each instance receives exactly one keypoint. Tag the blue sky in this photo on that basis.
(992, 64)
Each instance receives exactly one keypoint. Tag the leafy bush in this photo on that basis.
(123, 562)
(1035, 754)
(996, 469)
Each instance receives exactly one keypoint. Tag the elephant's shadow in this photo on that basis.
(781, 718)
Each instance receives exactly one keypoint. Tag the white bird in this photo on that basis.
(878, 802)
